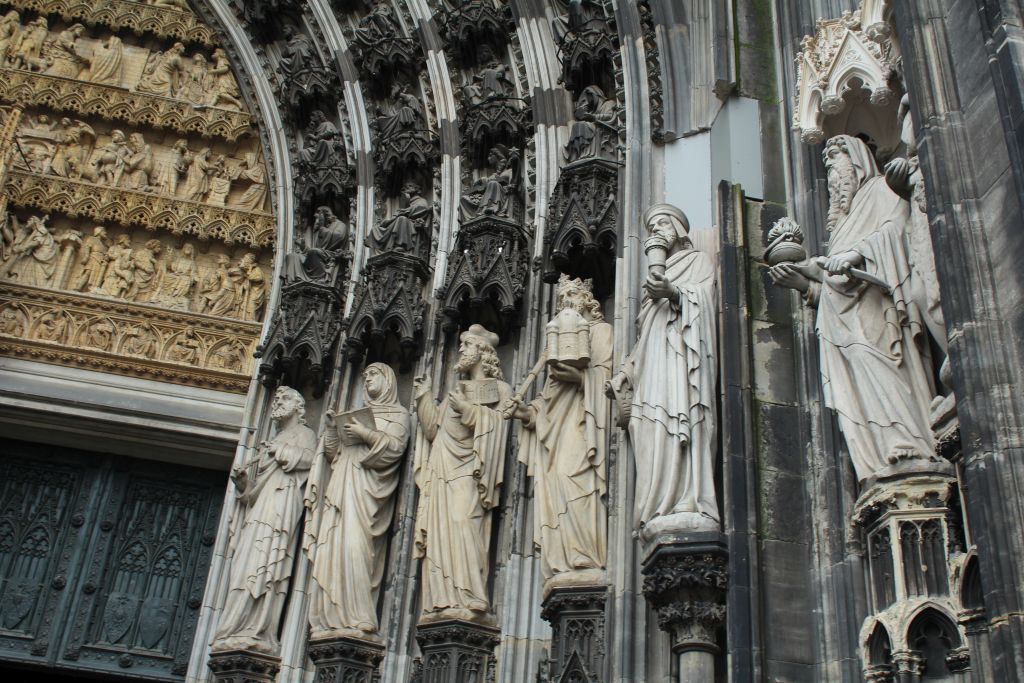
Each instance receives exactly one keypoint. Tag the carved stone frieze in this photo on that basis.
(135, 207)
(576, 615)
(685, 582)
(486, 275)
(345, 660)
(388, 309)
(116, 104)
(840, 58)
(243, 666)
(380, 49)
(582, 232)
(473, 23)
(137, 340)
(456, 651)
(171, 19)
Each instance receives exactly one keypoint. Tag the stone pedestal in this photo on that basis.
(345, 659)
(456, 651)
(576, 615)
(685, 582)
(242, 666)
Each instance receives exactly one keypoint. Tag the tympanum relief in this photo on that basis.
(137, 235)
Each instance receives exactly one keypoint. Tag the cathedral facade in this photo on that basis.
(511, 341)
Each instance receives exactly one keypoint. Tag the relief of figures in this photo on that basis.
(409, 230)
(494, 194)
(34, 254)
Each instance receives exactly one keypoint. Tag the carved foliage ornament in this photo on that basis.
(853, 52)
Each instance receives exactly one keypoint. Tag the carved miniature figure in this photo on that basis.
(224, 89)
(460, 460)
(99, 335)
(299, 56)
(672, 372)
(35, 254)
(70, 157)
(120, 273)
(173, 168)
(217, 294)
(10, 26)
(109, 161)
(408, 228)
(220, 181)
(10, 322)
(493, 81)
(181, 276)
(270, 491)
(197, 180)
(93, 259)
(406, 112)
(138, 164)
(228, 357)
(164, 72)
(493, 194)
(594, 128)
(61, 51)
(564, 444)
(250, 287)
(875, 364)
(52, 327)
(321, 145)
(139, 340)
(186, 348)
(147, 271)
(195, 82)
(255, 196)
(351, 498)
(316, 257)
(26, 50)
(107, 64)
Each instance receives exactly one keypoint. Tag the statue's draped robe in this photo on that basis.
(262, 560)
(565, 452)
(875, 370)
(460, 462)
(674, 372)
(346, 531)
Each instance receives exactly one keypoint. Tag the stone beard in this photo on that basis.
(875, 367)
(460, 456)
(262, 562)
(564, 447)
(673, 372)
(346, 529)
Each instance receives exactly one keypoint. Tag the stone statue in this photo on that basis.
(70, 157)
(217, 294)
(672, 372)
(164, 72)
(194, 84)
(460, 461)
(224, 89)
(316, 256)
(186, 348)
(876, 370)
(250, 287)
(138, 164)
(406, 113)
(26, 50)
(220, 181)
(11, 323)
(109, 161)
(493, 194)
(61, 52)
(493, 81)
(181, 276)
(52, 327)
(120, 272)
(10, 26)
(564, 445)
(93, 257)
(99, 335)
(255, 196)
(321, 145)
(35, 254)
(107, 65)
(594, 125)
(299, 56)
(173, 168)
(408, 228)
(146, 268)
(377, 26)
(197, 179)
(348, 520)
(228, 357)
(270, 490)
(139, 341)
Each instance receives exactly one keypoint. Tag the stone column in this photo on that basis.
(685, 581)
(344, 659)
(456, 651)
(241, 666)
(576, 615)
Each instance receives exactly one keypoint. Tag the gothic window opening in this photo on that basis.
(936, 640)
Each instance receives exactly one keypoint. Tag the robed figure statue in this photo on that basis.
(672, 373)
(351, 500)
(460, 458)
(270, 489)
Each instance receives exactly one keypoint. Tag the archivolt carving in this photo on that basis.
(116, 104)
(168, 20)
(380, 49)
(124, 338)
(476, 22)
(134, 207)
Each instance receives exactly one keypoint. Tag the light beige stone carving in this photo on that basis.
(270, 490)
(107, 64)
(351, 500)
(250, 287)
(223, 88)
(34, 254)
(672, 372)
(179, 281)
(564, 441)
(164, 72)
(123, 338)
(460, 456)
(872, 311)
(147, 272)
(62, 52)
(26, 50)
(10, 26)
(255, 196)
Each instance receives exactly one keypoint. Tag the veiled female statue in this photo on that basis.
(351, 500)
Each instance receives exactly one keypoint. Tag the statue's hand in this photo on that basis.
(239, 477)
(566, 373)
(420, 386)
(354, 430)
(457, 398)
(897, 176)
(786, 275)
(840, 264)
(657, 286)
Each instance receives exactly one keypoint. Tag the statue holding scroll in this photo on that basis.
(672, 373)
(563, 443)
(351, 499)
(460, 457)
(270, 489)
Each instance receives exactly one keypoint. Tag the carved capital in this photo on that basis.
(576, 615)
(456, 651)
(238, 666)
(340, 660)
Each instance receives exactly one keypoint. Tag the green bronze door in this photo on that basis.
(102, 560)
